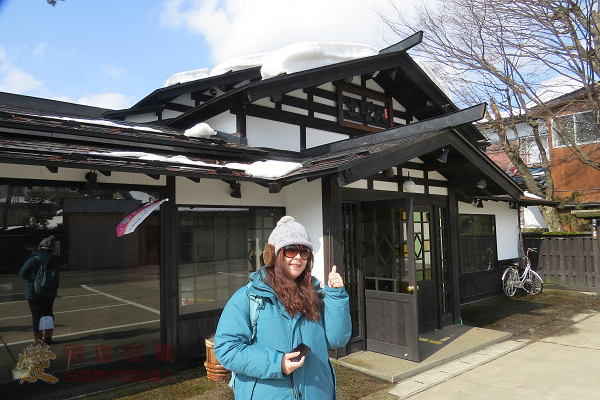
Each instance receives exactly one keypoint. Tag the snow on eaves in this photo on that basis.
(201, 130)
(187, 76)
(240, 63)
(270, 169)
(104, 122)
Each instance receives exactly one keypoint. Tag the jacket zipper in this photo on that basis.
(293, 387)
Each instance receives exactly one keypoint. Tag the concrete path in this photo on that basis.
(563, 366)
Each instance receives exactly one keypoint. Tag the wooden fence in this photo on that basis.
(566, 262)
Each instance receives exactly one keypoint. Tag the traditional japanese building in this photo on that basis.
(369, 154)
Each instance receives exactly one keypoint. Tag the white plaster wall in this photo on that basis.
(373, 86)
(215, 192)
(185, 99)
(303, 202)
(167, 114)
(75, 175)
(507, 231)
(532, 218)
(148, 117)
(317, 137)
(272, 134)
(224, 122)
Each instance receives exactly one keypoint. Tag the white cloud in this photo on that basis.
(15, 80)
(114, 71)
(115, 101)
(39, 49)
(239, 27)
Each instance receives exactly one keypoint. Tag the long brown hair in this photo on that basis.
(297, 295)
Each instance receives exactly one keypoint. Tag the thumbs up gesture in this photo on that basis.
(335, 279)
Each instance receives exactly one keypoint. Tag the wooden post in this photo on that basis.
(169, 274)
(332, 230)
(596, 258)
(454, 261)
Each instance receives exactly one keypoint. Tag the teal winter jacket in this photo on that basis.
(258, 364)
(30, 270)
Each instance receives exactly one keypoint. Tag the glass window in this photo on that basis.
(109, 296)
(477, 243)
(219, 249)
(581, 127)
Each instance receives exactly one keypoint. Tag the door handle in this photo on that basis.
(411, 288)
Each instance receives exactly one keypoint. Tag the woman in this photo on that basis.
(296, 309)
(41, 304)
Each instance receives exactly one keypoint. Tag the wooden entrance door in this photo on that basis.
(389, 273)
(425, 271)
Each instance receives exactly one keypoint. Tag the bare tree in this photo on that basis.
(510, 54)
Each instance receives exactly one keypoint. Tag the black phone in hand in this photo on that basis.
(303, 349)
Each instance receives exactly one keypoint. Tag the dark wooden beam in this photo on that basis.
(405, 44)
(487, 167)
(253, 110)
(465, 116)
(169, 269)
(454, 255)
(368, 166)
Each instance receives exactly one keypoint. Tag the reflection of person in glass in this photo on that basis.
(41, 304)
(295, 309)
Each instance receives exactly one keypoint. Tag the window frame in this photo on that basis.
(556, 139)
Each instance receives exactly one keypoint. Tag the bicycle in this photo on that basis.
(530, 281)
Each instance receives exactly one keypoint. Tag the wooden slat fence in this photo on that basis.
(566, 262)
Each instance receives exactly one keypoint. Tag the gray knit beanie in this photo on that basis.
(47, 244)
(288, 232)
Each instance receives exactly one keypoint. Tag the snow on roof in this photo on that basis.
(534, 196)
(555, 87)
(201, 130)
(270, 169)
(187, 76)
(239, 63)
(104, 123)
(431, 75)
(307, 55)
(293, 58)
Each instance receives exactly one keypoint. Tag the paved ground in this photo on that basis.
(553, 354)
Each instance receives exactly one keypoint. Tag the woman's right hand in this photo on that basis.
(288, 366)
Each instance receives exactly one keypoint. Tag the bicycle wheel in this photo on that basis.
(534, 284)
(510, 276)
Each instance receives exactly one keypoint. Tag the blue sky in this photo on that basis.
(112, 53)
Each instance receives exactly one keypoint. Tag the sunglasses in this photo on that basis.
(292, 251)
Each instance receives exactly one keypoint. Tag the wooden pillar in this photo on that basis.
(169, 284)
(332, 231)
(454, 253)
